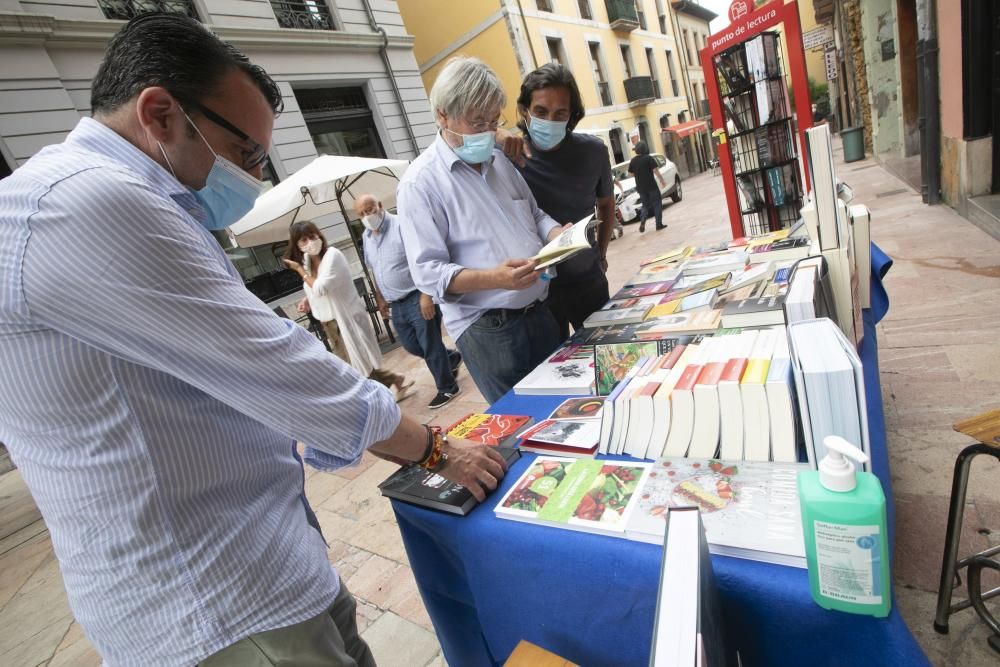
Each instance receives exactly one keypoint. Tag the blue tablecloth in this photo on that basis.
(488, 583)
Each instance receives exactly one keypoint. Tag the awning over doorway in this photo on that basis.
(690, 127)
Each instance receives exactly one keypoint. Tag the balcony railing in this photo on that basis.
(622, 15)
(303, 14)
(123, 10)
(604, 88)
(639, 90)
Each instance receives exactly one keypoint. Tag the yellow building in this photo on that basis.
(625, 55)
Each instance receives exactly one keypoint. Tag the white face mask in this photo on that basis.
(311, 247)
(372, 221)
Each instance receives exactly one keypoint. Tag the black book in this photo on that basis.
(763, 311)
(417, 486)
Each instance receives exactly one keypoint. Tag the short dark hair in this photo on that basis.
(175, 52)
(552, 75)
(641, 148)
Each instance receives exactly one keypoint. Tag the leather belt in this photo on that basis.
(410, 294)
(509, 312)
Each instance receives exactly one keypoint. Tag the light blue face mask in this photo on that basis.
(476, 148)
(546, 134)
(229, 192)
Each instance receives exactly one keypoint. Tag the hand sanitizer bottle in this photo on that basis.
(843, 521)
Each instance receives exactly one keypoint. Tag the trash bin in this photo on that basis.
(854, 143)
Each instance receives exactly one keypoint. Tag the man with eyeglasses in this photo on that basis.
(152, 403)
(470, 225)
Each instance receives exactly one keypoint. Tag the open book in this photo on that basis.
(571, 241)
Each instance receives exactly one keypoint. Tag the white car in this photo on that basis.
(628, 199)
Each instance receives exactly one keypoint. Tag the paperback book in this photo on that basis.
(418, 486)
(486, 429)
(750, 510)
(613, 361)
(569, 372)
(562, 437)
(579, 494)
(584, 407)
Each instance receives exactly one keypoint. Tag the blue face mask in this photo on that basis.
(475, 148)
(229, 192)
(546, 134)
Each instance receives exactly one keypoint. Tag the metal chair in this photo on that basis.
(986, 429)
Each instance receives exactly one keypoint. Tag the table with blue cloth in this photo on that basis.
(488, 582)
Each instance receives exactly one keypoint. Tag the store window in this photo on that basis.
(340, 121)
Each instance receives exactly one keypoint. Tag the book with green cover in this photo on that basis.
(579, 494)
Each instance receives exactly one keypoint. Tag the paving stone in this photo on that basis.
(396, 642)
(75, 651)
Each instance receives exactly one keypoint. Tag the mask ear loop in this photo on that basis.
(164, 154)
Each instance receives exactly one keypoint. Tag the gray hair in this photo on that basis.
(465, 85)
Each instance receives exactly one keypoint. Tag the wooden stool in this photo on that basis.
(986, 429)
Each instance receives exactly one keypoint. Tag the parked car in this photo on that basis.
(628, 200)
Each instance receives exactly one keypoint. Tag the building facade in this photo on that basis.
(346, 70)
(626, 56)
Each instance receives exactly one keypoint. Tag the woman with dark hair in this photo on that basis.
(334, 301)
(647, 174)
(569, 175)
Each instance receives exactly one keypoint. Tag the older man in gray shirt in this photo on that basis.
(470, 223)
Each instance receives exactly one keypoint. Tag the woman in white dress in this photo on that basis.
(334, 301)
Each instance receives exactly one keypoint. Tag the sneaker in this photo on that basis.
(443, 398)
(661, 227)
(642, 227)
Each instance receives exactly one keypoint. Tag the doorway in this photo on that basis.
(981, 76)
(616, 145)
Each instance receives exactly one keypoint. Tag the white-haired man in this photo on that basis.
(469, 223)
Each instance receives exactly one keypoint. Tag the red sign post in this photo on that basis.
(746, 24)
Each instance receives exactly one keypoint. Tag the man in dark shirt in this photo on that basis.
(568, 173)
(647, 173)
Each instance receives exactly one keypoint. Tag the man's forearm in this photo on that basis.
(408, 442)
(472, 280)
(606, 224)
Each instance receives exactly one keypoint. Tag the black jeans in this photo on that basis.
(571, 302)
(652, 203)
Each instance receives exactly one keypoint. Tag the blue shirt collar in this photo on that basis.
(96, 137)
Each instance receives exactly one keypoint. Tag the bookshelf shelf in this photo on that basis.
(761, 133)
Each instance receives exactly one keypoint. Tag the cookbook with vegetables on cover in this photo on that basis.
(580, 494)
(750, 510)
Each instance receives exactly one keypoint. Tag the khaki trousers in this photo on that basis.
(328, 640)
(388, 378)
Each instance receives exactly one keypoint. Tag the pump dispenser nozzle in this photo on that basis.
(836, 472)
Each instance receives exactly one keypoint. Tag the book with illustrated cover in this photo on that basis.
(584, 407)
(673, 255)
(691, 322)
(734, 260)
(562, 437)
(696, 284)
(486, 429)
(603, 318)
(569, 372)
(647, 289)
(785, 249)
(750, 510)
(578, 494)
(613, 361)
(418, 486)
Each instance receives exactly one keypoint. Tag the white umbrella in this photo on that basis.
(328, 184)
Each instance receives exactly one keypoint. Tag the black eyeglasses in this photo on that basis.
(253, 156)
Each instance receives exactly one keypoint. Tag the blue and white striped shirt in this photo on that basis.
(151, 403)
(386, 256)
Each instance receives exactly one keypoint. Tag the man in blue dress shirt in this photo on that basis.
(415, 317)
(471, 225)
(151, 401)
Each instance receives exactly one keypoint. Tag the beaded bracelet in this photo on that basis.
(437, 456)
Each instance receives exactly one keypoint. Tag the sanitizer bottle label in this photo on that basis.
(849, 562)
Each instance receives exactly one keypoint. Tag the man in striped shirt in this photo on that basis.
(151, 402)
